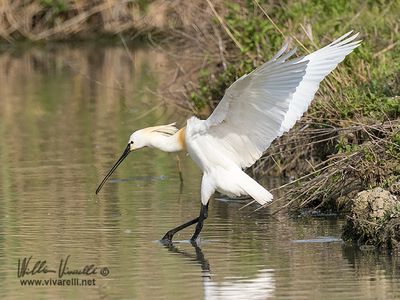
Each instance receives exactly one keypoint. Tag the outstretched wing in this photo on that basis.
(251, 113)
(320, 64)
(262, 105)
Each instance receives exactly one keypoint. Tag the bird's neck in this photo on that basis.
(173, 143)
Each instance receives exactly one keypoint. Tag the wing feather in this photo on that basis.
(262, 105)
(321, 63)
(252, 110)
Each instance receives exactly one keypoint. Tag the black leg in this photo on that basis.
(167, 238)
(203, 215)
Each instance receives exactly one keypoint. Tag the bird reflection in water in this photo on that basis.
(260, 287)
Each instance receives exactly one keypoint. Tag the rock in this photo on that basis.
(373, 204)
(374, 219)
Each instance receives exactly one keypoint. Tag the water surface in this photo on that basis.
(65, 117)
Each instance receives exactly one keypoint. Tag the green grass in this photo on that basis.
(365, 84)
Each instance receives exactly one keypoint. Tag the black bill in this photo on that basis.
(123, 156)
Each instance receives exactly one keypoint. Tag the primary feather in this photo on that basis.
(320, 64)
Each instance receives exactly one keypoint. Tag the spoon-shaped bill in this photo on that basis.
(119, 161)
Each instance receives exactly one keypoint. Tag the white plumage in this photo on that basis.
(320, 64)
(256, 109)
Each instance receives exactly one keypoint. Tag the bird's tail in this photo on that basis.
(254, 189)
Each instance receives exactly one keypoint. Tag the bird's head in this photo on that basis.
(141, 138)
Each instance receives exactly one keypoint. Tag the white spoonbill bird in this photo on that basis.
(256, 109)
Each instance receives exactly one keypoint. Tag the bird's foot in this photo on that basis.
(167, 238)
(194, 240)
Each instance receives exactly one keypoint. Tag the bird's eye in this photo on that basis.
(131, 142)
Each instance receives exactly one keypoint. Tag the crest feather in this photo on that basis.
(166, 130)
